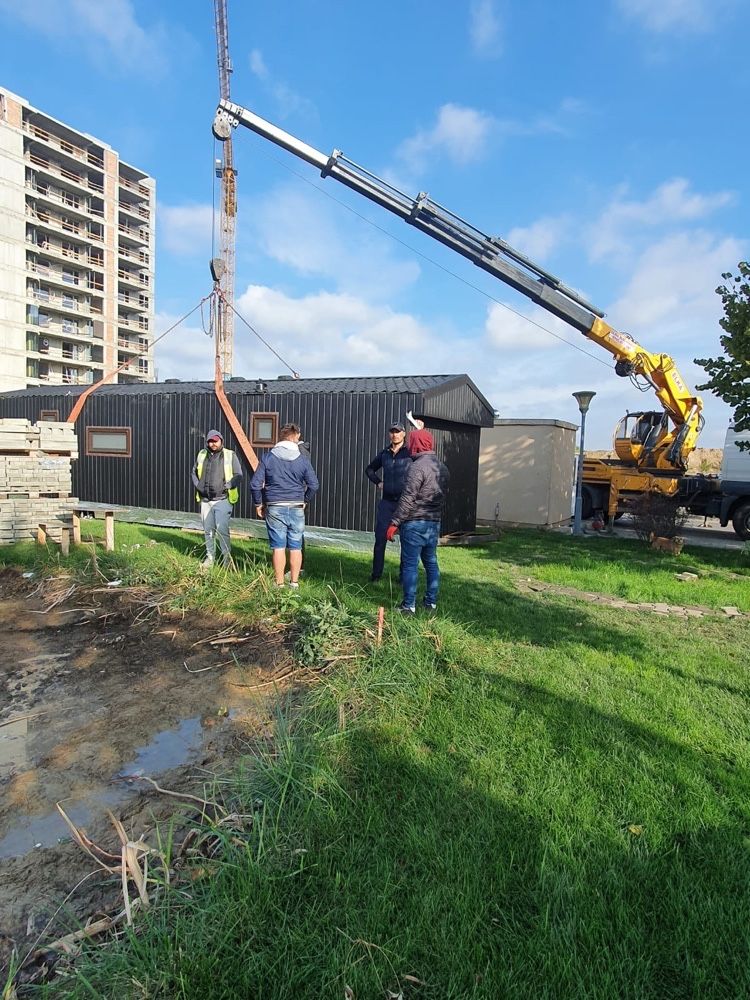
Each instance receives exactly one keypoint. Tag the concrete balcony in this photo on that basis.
(50, 222)
(49, 248)
(133, 236)
(134, 210)
(132, 324)
(77, 205)
(64, 304)
(138, 189)
(128, 346)
(138, 256)
(53, 327)
(132, 302)
(132, 279)
(62, 145)
(57, 171)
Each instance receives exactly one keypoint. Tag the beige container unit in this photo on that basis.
(526, 473)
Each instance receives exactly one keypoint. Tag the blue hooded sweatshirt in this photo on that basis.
(284, 475)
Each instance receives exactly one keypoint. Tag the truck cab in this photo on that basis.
(735, 483)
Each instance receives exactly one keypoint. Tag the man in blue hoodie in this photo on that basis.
(282, 484)
(216, 476)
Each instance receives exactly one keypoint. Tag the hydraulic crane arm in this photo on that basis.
(662, 447)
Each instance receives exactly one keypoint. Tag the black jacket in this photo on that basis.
(212, 484)
(424, 490)
(395, 468)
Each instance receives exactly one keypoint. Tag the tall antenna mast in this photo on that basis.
(228, 210)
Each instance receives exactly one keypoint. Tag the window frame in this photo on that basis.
(254, 439)
(53, 416)
(92, 452)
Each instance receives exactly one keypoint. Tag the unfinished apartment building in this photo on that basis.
(76, 255)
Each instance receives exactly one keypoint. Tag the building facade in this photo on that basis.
(76, 255)
(138, 442)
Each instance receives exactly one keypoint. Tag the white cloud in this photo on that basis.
(463, 135)
(539, 239)
(673, 15)
(670, 295)
(672, 202)
(332, 334)
(485, 28)
(110, 33)
(185, 353)
(307, 234)
(518, 330)
(186, 229)
(459, 133)
(288, 102)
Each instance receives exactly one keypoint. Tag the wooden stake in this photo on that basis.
(381, 618)
(65, 541)
(109, 531)
(41, 534)
(76, 528)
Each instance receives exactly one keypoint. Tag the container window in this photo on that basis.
(111, 441)
(49, 415)
(263, 429)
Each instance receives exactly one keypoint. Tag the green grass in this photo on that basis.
(531, 797)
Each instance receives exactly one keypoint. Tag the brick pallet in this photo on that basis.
(35, 479)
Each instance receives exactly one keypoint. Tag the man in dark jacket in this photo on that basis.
(282, 484)
(393, 463)
(216, 477)
(417, 519)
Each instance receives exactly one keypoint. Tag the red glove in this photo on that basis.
(391, 532)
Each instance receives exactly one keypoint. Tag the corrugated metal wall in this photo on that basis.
(458, 403)
(344, 432)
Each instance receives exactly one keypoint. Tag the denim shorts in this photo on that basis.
(286, 526)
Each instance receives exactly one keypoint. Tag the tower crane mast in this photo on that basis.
(228, 207)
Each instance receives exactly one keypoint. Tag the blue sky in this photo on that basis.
(608, 141)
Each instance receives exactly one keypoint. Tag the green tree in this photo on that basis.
(730, 373)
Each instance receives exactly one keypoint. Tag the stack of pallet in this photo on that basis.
(35, 478)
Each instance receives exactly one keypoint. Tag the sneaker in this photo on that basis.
(429, 607)
(404, 609)
(374, 579)
(292, 585)
(207, 564)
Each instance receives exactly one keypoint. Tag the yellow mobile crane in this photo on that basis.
(652, 447)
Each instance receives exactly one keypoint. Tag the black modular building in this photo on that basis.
(138, 442)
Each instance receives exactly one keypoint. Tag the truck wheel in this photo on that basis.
(741, 520)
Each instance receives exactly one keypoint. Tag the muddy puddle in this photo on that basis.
(99, 690)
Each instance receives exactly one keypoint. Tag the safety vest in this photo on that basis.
(233, 494)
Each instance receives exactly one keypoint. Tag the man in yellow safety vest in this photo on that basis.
(216, 476)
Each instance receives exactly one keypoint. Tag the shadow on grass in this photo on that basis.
(471, 881)
(496, 611)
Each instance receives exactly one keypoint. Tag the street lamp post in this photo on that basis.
(584, 401)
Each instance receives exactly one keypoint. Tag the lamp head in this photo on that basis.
(583, 398)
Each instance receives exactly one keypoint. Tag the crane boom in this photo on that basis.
(653, 442)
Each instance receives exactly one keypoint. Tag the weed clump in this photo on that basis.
(657, 515)
(324, 631)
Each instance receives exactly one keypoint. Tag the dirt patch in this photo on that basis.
(702, 460)
(96, 685)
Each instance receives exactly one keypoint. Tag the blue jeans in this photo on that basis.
(419, 540)
(384, 515)
(286, 526)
